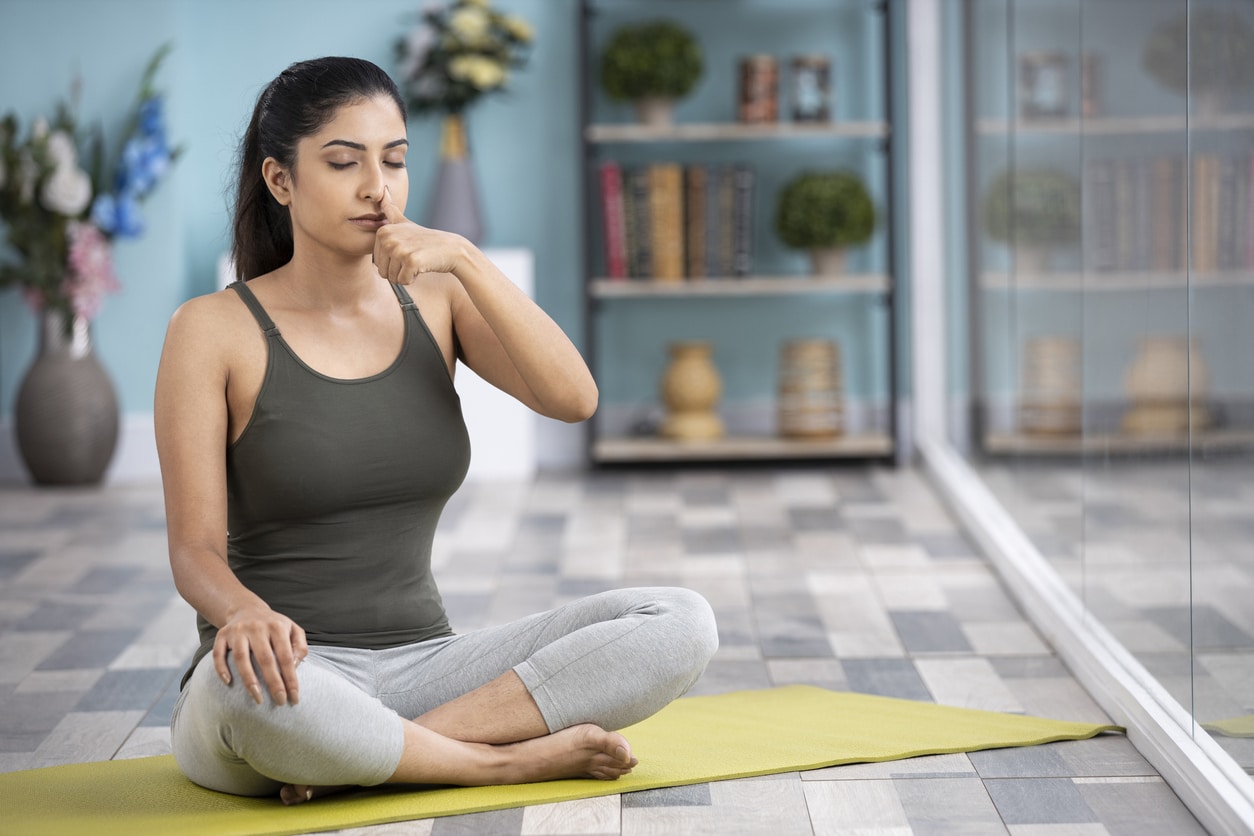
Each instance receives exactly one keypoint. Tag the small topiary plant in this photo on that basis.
(651, 60)
(1033, 206)
(1208, 50)
(823, 209)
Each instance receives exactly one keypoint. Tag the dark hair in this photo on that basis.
(297, 103)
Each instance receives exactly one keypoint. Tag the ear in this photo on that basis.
(278, 180)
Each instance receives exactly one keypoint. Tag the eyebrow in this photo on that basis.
(357, 146)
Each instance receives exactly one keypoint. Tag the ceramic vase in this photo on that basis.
(454, 205)
(691, 387)
(66, 414)
(808, 399)
(1166, 386)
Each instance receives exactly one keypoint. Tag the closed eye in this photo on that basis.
(394, 165)
(340, 166)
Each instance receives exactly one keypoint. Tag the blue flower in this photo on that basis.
(143, 162)
(150, 120)
(118, 216)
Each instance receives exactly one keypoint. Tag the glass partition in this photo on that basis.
(1105, 386)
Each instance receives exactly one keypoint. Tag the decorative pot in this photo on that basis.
(827, 261)
(1051, 386)
(454, 205)
(1166, 387)
(808, 402)
(655, 112)
(66, 414)
(1031, 259)
(690, 390)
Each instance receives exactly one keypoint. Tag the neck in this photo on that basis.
(325, 281)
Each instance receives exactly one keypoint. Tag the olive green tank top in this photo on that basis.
(335, 487)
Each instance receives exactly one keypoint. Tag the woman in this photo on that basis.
(310, 412)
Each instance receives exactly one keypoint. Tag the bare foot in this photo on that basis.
(300, 793)
(584, 751)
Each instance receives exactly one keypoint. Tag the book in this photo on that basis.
(1162, 211)
(666, 222)
(724, 256)
(636, 190)
(612, 217)
(695, 219)
(742, 220)
(1100, 203)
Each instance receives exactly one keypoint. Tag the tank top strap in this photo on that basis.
(407, 302)
(259, 313)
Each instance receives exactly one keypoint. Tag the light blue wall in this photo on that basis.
(525, 144)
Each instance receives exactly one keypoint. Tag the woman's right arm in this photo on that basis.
(192, 423)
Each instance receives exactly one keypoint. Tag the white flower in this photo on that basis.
(469, 24)
(67, 191)
(61, 149)
(518, 28)
(417, 46)
(483, 73)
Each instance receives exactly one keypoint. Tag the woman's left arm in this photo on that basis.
(502, 334)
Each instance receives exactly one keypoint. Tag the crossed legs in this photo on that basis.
(534, 700)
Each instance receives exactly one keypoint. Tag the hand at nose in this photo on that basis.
(403, 250)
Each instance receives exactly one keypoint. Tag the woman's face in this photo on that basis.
(340, 176)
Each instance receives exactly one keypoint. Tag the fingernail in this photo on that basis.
(225, 677)
(256, 692)
(308, 795)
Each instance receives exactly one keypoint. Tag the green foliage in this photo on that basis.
(659, 59)
(1033, 206)
(1207, 49)
(824, 209)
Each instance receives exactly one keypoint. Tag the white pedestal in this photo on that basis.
(502, 430)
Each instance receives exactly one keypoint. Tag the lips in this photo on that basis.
(370, 222)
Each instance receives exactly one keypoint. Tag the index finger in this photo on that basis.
(389, 209)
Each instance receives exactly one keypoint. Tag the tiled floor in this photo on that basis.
(846, 578)
(1159, 550)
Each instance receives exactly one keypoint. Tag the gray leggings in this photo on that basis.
(611, 659)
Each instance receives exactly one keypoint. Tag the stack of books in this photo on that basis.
(668, 221)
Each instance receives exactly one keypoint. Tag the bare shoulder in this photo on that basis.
(210, 326)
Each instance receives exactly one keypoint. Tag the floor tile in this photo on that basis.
(847, 578)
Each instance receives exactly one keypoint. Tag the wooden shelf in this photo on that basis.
(626, 450)
(1119, 443)
(603, 288)
(1117, 125)
(1116, 281)
(732, 131)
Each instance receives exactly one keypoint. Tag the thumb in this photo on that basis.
(389, 209)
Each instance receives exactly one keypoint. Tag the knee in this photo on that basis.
(694, 626)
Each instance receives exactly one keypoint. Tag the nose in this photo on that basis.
(372, 182)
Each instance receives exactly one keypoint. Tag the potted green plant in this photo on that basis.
(825, 212)
(1205, 53)
(1034, 211)
(651, 65)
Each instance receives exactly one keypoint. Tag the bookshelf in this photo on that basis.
(630, 321)
(1162, 182)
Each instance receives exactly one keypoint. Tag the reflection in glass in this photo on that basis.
(1112, 361)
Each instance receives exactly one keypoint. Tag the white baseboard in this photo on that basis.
(1208, 780)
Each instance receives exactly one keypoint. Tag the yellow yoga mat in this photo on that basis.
(693, 740)
(1234, 727)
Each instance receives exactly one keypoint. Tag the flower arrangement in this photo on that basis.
(60, 217)
(460, 52)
